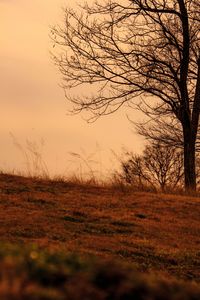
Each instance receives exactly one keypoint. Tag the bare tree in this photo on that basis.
(167, 131)
(136, 49)
(132, 170)
(164, 165)
(159, 166)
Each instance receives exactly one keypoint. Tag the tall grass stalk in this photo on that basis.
(32, 153)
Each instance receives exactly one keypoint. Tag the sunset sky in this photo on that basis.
(33, 105)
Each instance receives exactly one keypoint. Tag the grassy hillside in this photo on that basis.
(151, 232)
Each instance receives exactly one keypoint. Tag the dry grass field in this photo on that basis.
(154, 233)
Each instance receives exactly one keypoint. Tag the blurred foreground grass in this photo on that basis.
(28, 272)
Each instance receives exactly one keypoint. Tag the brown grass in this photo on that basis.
(152, 231)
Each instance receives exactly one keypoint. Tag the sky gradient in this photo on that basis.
(33, 105)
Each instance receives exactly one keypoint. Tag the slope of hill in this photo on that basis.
(154, 232)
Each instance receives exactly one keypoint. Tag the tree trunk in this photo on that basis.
(189, 159)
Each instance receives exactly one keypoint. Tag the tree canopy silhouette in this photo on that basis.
(142, 52)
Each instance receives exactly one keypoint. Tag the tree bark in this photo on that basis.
(189, 159)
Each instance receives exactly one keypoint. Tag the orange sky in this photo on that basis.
(33, 105)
